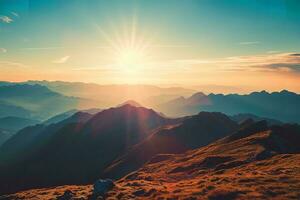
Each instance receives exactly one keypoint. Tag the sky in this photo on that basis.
(245, 44)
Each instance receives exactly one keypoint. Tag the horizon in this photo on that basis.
(239, 46)
(206, 89)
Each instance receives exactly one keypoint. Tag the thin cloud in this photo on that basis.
(249, 43)
(62, 60)
(2, 50)
(6, 19)
(12, 64)
(41, 48)
(281, 62)
(15, 14)
(272, 52)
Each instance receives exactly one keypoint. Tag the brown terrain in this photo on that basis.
(245, 165)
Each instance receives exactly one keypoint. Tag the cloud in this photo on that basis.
(41, 48)
(62, 60)
(249, 43)
(12, 64)
(2, 50)
(15, 14)
(6, 19)
(271, 52)
(281, 62)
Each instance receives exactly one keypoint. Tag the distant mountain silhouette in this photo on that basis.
(4, 136)
(60, 117)
(111, 95)
(283, 106)
(7, 109)
(16, 123)
(36, 101)
(74, 152)
(242, 117)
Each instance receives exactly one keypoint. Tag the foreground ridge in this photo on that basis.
(245, 165)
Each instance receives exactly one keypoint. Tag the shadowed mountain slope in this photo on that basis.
(256, 162)
(16, 123)
(72, 151)
(246, 165)
(194, 132)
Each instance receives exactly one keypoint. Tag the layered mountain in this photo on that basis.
(110, 95)
(36, 101)
(255, 162)
(74, 151)
(4, 135)
(283, 106)
(8, 109)
(240, 118)
(16, 123)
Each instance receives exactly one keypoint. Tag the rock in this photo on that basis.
(68, 194)
(102, 186)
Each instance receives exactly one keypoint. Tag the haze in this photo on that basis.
(241, 45)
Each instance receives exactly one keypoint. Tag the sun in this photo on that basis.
(129, 49)
(131, 59)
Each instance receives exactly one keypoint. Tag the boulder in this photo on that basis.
(102, 186)
(68, 194)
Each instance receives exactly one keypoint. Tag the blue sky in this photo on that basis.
(43, 34)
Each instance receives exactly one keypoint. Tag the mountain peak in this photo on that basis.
(130, 102)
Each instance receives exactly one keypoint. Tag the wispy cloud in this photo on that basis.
(272, 52)
(281, 62)
(62, 60)
(249, 43)
(3, 50)
(41, 48)
(6, 19)
(15, 14)
(12, 64)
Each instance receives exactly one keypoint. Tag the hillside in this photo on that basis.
(74, 151)
(256, 162)
(194, 132)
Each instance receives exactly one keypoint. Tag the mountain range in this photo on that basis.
(36, 101)
(283, 106)
(76, 149)
(201, 145)
(254, 161)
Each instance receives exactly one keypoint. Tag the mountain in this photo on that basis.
(262, 164)
(36, 101)
(7, 109)
(255, 162)
(16, 123)
(60, 117)
(130, 102)
(242, 117)
(4, 136)
(193, 132)
(283, 106)
(111, 95)
(74, 152)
